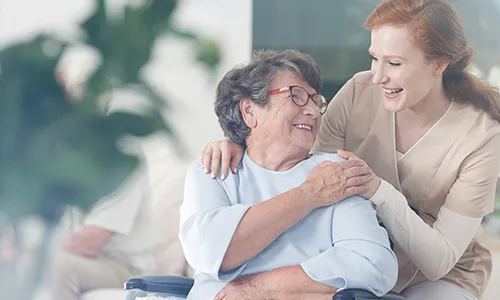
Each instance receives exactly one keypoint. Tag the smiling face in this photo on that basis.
(281, 122)
(401, 69)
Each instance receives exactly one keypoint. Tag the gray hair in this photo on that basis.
(252, 81)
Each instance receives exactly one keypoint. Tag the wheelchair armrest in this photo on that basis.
(176, 286)
(357, 294)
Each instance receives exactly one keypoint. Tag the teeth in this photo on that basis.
(302, 126)
(394, 91)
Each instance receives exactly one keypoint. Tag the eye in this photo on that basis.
(299, 99)
(373, 58)
(394, 64)
(299, 96)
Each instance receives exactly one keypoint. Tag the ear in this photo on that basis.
(440, 65)
(247, 109)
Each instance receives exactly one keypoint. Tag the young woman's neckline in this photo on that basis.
(429, 131)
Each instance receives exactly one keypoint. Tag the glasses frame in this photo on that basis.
(322, 110)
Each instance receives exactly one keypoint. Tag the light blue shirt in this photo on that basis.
(340, 245)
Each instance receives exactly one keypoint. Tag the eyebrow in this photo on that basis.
(387, 56)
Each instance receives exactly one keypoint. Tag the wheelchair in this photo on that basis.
(178, 287)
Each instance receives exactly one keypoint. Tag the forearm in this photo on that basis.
(118, 211)
(88, 241)
(291, 283)
(262, 224)
(433, 249)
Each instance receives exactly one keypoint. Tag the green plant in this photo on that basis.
(56, 150)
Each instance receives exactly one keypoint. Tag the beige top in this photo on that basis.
(143, 212)
(448, 178)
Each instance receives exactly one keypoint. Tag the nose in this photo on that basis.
(378, 73)
(311, 109)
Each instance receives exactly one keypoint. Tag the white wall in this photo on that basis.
(187, 85)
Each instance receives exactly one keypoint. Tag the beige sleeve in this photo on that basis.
(331, 133)
(117, 212)
(168, 194)
(436, 249)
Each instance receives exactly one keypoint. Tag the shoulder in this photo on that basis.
(201, 190)
(363, 86)
(359, 82)
(360, 94)
(485, 125)
(363, 81)
(477, 156)
(363, 78)
(198, 178)
(481, 127)
(195, 167)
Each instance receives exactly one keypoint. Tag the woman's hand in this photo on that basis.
(371, 185)
(241, 288)
(229, 152)
(331, 182)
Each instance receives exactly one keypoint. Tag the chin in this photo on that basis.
(307, 146)
(393, 106)
(304, 142)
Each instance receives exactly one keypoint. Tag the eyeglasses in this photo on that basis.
(300, 97)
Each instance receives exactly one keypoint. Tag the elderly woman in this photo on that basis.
(257, 223)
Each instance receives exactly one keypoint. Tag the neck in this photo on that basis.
(428, 110)
(275, 157)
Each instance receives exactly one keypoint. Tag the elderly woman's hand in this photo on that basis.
(229, 152)
(331, 182)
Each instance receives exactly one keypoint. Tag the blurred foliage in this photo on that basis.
(56, 150)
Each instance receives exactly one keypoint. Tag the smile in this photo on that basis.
(303, 126)
(392, 91)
